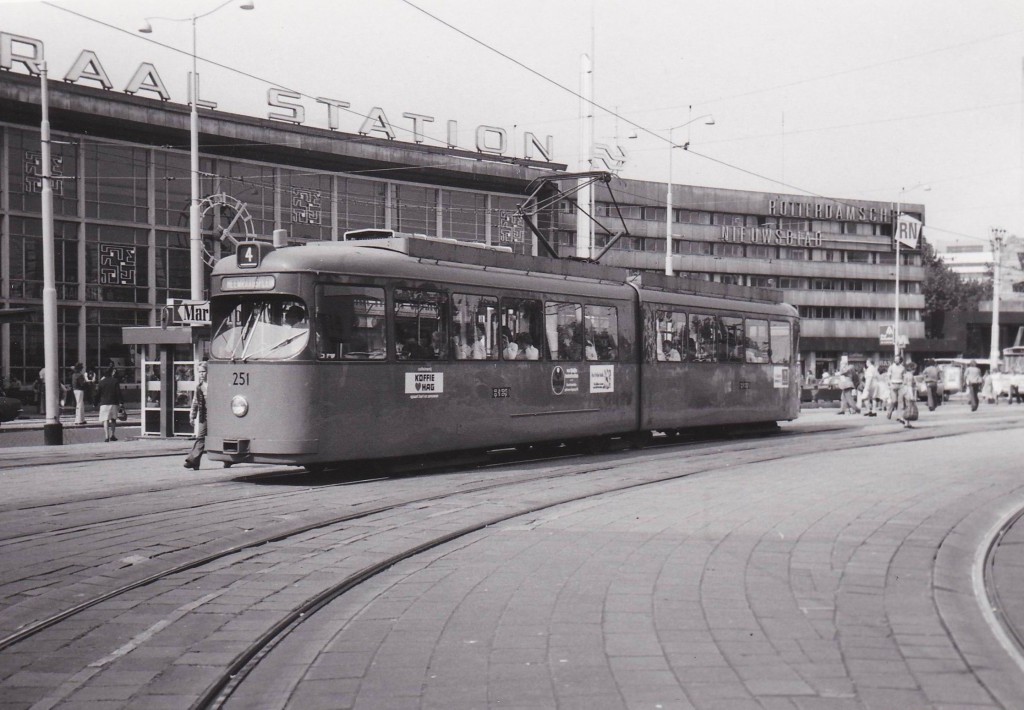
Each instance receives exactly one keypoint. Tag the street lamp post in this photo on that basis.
(994, 353)
(668, 194)
(195, 239)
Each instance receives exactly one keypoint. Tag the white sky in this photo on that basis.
(853, 99)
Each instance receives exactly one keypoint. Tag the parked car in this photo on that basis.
(10, 409)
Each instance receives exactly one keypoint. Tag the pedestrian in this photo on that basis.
(972, 383)
(198, 414)
(91, 381)
(895, 380)
(907, 394)
(870, 392)
(931, 383)
(846, 387)
(78, 386)
(109, 395)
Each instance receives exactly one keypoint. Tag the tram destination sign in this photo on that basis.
(189, 312)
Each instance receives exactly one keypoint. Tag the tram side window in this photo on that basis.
(350, 323)
(674, 342)
(601, 328)
(705, 332)
(522, 332)
(421, 324)
(474, 327)
(734, 340)
(757, 346)
(782, 343)
(563, 328)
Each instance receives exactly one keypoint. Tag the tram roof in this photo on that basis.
(404, 256)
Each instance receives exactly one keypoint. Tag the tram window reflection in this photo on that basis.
(421, 324)
(733, 350)
(757, 344)
(350, 323)
(563, 327)
(474, 327)
(259, 328)
(522, 329)
(601, 327)
(707, 337)
(781, 343)
(673, 340)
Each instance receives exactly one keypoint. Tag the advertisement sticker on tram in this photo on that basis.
(565, 380)
(780, 377)
(424, 385)
(602, 379)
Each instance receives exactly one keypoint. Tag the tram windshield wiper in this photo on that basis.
(275, 346)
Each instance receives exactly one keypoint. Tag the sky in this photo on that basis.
(904, 101)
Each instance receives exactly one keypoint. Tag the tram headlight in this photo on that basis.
(239, 405)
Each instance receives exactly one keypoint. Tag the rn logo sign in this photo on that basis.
(424, 385)
(908, 231)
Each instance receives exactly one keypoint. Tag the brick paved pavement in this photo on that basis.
(834, 581)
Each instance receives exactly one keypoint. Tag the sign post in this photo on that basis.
(907, 231)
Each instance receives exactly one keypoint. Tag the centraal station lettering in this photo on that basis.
(28, 52)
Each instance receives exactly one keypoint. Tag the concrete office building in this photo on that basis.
(833, 258)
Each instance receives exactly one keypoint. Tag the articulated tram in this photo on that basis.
(386, 345)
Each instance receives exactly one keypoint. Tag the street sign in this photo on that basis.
(190, 312)
(886, 335)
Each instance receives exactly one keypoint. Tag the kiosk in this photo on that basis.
(168, 381)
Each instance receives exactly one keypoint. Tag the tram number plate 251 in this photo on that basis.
(501, 392)
(240, 379)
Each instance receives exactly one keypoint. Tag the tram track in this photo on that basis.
(40, 625)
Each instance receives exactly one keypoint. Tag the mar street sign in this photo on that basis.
(190, 312)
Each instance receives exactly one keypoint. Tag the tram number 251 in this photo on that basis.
(240, 379)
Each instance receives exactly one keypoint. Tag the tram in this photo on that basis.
(388, 345)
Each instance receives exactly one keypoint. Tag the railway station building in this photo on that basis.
(120, 162)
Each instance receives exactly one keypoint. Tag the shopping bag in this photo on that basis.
(910, 411)
(122, 413)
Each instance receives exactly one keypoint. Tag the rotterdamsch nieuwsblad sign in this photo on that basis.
(27, 54)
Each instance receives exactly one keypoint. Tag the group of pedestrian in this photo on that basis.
(894, 389)
(865, 391)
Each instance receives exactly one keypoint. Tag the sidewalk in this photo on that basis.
(21, 442)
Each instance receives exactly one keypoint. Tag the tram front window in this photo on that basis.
(259, 328)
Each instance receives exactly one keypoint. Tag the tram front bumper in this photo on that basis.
(254, 450)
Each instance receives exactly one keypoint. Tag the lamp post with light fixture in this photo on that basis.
(668, 194)
(196, 273)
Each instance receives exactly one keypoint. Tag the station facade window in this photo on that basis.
(130, 229)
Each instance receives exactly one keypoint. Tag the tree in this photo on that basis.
(946, 292)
